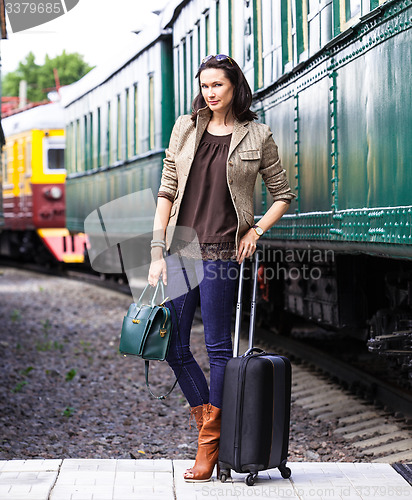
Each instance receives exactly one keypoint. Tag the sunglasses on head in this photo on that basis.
(218, 57)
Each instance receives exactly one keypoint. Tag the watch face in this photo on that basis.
(259, 230)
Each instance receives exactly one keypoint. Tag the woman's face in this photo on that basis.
(217, 89)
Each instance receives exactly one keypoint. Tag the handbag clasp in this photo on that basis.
(163, 332)
(135, 320)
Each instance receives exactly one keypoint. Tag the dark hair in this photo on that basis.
(242, 94)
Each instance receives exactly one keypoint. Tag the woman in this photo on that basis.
(222, 149)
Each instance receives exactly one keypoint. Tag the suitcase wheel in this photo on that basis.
(285, 471)
(224, 475)
(251, 478)
(223, 472)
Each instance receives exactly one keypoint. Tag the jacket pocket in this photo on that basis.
(252, 154)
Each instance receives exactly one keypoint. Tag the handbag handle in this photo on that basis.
(146, 364)
(152, 303)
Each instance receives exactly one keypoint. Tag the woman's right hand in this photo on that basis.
(157, 268)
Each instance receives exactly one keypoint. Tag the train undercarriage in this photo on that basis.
(357, 295)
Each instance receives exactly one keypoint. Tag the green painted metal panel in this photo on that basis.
(88, 192)
(314, 147)
(278, 118)
(375, 121)
(353, 131)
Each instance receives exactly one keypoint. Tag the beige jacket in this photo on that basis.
(252, 150)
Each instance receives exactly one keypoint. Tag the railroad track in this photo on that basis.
(377, 434)
(381, 435)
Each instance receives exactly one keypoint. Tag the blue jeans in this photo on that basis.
(216, 292)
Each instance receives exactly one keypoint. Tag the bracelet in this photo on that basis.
(157, 243)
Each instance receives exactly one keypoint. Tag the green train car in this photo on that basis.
(342, 120)
(331, 78)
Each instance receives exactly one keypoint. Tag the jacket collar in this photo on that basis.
(240, 129)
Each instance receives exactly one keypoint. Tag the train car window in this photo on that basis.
(136, 119)
(353, 8)
(86, 144)
(301, 26)
(217, 27)
(99, 139)
(90, 141)
(78, 147)
(257, 44)
(286, 18)
(198, 43)
(68, 150)
(313, 6)
(184, 54)
(207, 33)
(109, 135)
(56, 159)
(191, 67)
(349, 12)
(119, 129)
(248, 36)
(126, 126)
(231, 20)
(176, 64)
(53, 155)
(27, 159)
(151, 113)
(4, 165)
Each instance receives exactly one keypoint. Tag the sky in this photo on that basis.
(92, 28)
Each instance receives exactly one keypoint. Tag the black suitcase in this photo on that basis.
(256, 405)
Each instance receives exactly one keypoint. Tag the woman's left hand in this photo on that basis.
(247, 245)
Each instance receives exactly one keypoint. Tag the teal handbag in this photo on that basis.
(146, 331)
(146, 328)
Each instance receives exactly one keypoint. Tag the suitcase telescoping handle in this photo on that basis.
(252, 307)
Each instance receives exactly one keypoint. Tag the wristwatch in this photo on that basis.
(259, 231)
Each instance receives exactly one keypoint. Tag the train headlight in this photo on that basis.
(54, 193)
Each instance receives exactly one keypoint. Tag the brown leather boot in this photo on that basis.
(196, 412)
(208, 448)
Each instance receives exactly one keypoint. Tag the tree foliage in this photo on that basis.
(40, 79)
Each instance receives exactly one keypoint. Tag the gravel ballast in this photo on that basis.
(66, 392)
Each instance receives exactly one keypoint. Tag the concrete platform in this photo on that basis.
(74, 479)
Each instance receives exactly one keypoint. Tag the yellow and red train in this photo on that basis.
(33, 188)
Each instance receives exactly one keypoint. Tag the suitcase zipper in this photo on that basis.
(238, 427)
(239, 413)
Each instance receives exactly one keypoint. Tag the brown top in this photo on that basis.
(207, 205)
